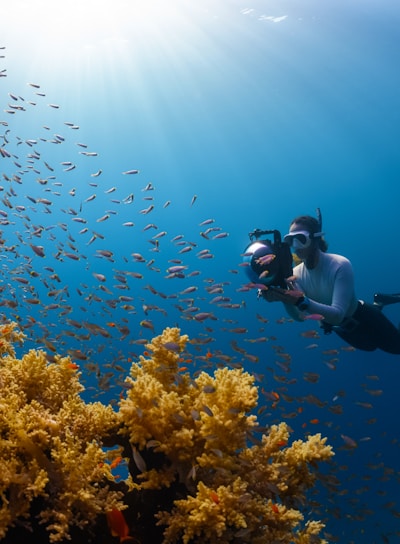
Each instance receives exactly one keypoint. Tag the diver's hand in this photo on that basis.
(272, 294)
(277, 294)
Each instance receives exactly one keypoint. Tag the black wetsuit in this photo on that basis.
(368, 329)
(329, 286)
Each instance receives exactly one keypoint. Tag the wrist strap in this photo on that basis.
(303, 303)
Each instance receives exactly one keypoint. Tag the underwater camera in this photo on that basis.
(268, 262)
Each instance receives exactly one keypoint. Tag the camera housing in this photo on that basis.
(268, 261)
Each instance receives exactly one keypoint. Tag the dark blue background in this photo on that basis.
(263, 112)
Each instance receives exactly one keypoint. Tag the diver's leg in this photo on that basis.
(359, 337)
(381, 329)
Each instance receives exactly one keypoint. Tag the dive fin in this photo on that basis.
(381, 299)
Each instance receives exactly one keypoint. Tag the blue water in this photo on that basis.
(245, 113)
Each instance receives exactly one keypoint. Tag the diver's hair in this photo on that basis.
(312, 226)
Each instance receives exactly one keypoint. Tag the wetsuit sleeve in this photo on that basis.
(342, 296)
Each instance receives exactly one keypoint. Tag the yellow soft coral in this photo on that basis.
(281, 468)
(191, 420)
(189, 435)
(9, 334)
(201, 426)
(232, 513)
(50, 444)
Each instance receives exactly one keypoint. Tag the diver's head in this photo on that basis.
(305, 237)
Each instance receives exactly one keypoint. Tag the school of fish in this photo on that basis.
(93, 264)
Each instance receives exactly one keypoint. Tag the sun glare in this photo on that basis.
(87, 51)
(77, 23)
(67, 34)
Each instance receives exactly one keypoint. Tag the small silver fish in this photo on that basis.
(139, 461)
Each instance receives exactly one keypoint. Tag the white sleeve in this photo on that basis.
(342, 296)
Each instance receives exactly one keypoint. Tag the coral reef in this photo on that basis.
(233, 493)
(50, 444)
(192, 474)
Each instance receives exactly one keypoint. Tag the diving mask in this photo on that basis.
(301, 239)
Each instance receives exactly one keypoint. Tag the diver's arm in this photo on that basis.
(342, 297)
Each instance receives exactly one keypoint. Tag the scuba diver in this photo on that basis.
(322, 285)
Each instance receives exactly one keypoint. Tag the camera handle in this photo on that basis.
(257, 233)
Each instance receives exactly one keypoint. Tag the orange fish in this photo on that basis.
(313, 317)
(115, 462)
(274, 508)
(214, 497)
(117, 524)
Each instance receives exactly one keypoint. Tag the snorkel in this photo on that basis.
(319, 219)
